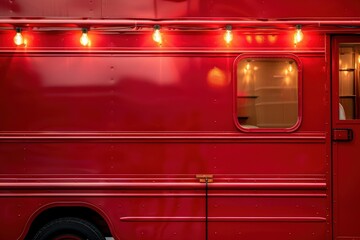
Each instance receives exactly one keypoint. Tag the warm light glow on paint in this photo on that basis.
(248, 38)
(259, 39)
(298, 35)
(272, 38)
(84, 39)
(19, 39)
(157, 35)
(228, 36)
(217, 77)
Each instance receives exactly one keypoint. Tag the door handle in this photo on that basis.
(343, 135)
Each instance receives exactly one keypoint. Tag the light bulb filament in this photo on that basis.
(298, 36)
(157, 35)
(228, 36)
(84, 39)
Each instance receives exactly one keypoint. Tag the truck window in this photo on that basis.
(267, 93)
(349, 60)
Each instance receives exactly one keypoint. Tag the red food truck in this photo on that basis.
(179, 119)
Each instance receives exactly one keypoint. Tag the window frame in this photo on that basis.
(300, 89)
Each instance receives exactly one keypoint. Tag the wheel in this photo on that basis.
(68, 228)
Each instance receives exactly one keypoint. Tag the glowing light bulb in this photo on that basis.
(18, 39)
(157, 35)
(228, 36)
(84, 39)
(298, 36)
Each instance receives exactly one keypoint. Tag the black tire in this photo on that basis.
(69, 228)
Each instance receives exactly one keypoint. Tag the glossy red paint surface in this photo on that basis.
(123, 127)
(173, 9)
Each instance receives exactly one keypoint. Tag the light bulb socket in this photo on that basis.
(84, 30)
(228, 27)
(157, 27)
(298, 27)
(18, 30)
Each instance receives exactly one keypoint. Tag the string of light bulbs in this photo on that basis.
(157, 37)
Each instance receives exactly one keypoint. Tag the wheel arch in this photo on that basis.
(56, 210)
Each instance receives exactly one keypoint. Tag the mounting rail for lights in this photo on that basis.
(126, 25)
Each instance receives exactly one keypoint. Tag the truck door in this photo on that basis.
(346, 136)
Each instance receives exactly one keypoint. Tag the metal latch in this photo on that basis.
(203, 178)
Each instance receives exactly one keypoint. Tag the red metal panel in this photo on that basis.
(281, 9)
(160, 158)
(51, 8)
(170, 9)
(107, 93)
(247, 215)
(103, 98)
